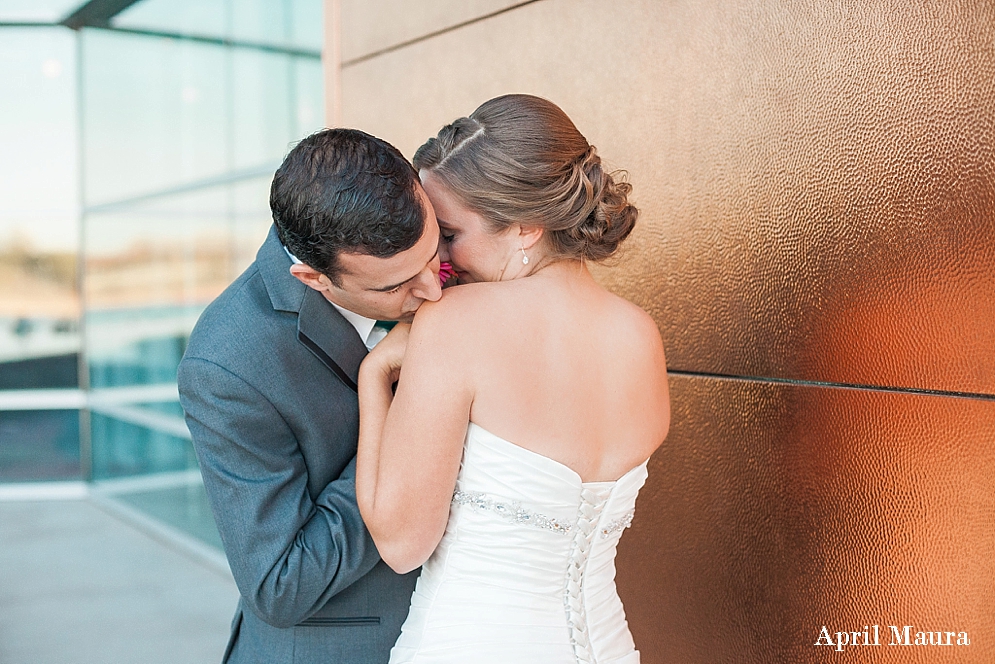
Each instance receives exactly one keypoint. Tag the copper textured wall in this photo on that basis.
(817, 245)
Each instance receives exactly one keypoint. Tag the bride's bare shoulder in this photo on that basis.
(461, 308)
(637, 323)
(458, 302)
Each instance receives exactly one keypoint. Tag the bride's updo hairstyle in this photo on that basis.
(519, 159)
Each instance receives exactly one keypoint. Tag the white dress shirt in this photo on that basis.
(367, 328)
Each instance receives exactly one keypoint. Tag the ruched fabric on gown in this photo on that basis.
(526, 569)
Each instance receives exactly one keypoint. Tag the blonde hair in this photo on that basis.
(519, 159)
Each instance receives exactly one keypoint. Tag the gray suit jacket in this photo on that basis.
(268, 386)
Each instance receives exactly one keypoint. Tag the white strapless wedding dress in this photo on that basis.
(525, 572)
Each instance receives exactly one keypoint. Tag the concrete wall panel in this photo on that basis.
(373, 25)
(817, 181)
(774, 509)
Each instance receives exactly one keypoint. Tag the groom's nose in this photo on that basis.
(427, 286)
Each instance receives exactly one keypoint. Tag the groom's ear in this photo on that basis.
(310, 277)
(530, 235)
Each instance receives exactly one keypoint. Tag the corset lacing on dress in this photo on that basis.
(524, 573)
(592, 502)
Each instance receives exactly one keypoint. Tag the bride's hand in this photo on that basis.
(388, 355)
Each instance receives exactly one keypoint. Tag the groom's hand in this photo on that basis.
(389, 353)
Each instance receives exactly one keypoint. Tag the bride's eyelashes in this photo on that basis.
(445, 236)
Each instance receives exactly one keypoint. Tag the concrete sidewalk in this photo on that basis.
(79, 586)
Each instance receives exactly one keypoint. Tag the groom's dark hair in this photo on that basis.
(344, 190)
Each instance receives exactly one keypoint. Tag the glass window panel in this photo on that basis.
(39, 209)
(47, 371)
(151, 269)
(310, 99)
(263, 123)
(288, 23)
(38, 351)
(126, 449)
(198, 17)
(184, 507)
(171, 408)
(265, 21)
(166, 252)
(308, 24)
(39, 445)
(42, 11)
(137, 347)
(155, 114)
(250, 200)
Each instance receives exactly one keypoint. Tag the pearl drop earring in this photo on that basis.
(525, 257)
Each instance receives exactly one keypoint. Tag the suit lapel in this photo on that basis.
(330, 337)
(319, 326)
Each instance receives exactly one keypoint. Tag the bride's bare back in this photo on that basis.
(562, 367)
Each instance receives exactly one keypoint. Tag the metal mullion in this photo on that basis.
(266, 170)
(216, 41)
(82, 366)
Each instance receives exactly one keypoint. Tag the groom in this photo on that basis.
(268, 384)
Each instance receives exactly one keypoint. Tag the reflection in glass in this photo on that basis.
(197, 17)
(180, 139)
(287, 23)
(251, 220)
(141, 347)
(310, 101)
(168, 251)
(40, 11)
(183, 506)
(39, 302)
(265, 123)
(47, 371)
(39, 445)
(155, 114)
(292, 23)
(128, 449)
(152, 267)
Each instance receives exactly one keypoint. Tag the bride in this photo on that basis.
(508, 461)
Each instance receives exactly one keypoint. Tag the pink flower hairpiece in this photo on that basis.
(446, 272)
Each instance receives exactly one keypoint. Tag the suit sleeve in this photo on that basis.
(288, 553)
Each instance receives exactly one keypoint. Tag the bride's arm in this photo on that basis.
(410, 444)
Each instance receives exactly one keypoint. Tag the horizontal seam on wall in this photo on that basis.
(430, 35)
(847, 386)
